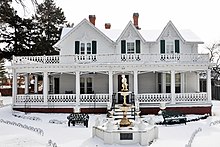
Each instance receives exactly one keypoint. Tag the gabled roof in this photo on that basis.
(67, 32)
(126, 28)
(175, 29)
(146, 35)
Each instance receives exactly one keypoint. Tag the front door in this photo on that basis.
(120, 97)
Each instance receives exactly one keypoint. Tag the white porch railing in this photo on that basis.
(166, 97)
(111, 58)
(154, 97)
(26, 98)
(191, 97)
(94, 98)
(61, 98)
(146, 98)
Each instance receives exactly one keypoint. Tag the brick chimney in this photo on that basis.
(135, 18)
(92, 19)
(107, 25)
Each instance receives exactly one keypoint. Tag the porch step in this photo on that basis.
(117, 112)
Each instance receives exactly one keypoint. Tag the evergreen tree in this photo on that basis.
(49, 18)
(15, 31)
(2, 71)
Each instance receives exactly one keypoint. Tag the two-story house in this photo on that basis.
(161, 66)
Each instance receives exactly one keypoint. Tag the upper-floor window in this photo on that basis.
(85, 48)
(169, 46)
(130, 47)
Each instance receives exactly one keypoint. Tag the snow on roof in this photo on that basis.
(148, 35)
(189, 36)
(112, 34)
(64, 32)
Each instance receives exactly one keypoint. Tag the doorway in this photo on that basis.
(56, 85)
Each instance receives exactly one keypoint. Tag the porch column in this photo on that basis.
(35, 83)
(77, 109)
(14, 86)
(182, 82)
(173, 87)
(136, 89)
(209, 94)
(198, 82)
(110, 81)
(163, 83)
(45, 86)
(135, 83)
(26, 78)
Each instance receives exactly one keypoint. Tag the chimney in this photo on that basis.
(92, 19)
(135, 18)
(107, 25)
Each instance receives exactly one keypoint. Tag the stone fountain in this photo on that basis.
(125, 131)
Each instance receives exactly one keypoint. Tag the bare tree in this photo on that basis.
(214, 51)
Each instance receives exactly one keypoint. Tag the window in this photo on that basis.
(177, 83)
(169, 46)
(82, 48)
(89, 51)
(86, 85)
(85, 48)
(130, 47)
(82, 86)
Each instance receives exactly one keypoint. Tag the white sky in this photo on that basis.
(200, 16)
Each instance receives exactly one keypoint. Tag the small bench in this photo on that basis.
(78, 118)
(173, 117)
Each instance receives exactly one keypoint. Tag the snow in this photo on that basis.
(148, 35)
(79, 136)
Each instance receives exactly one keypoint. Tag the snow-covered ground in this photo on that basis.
(22, 134)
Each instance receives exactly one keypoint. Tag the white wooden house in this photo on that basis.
(160, 67)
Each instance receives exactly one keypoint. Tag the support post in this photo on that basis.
(198, 82)
(77, 109)
(14, 85)
(136, 89)
(163, 83)
(110, 79)
(26, 78)
(209, 91)
(36, 84)
(182, 82)
(45, 86)
(173, 101)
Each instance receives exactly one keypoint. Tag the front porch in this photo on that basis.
(148, 103)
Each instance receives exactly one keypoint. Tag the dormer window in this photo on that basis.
(130, 47)
(85, 48)
(169, 46)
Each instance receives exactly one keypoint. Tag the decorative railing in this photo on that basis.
(154, 98)
(36, 59)
(111, 58)
(191, 97)
(61, 98)
(29, 98)
(94, 98)
(145, 98)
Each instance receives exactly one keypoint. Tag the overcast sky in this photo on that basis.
(200, 16)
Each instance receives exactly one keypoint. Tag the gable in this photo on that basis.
(130, 33)
(170, 32)
(84, 31)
